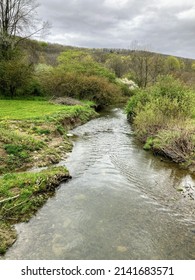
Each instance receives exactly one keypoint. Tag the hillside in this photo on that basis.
(120, 61)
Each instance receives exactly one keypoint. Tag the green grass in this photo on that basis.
(21, 195)
(26, 109)
(29, 190)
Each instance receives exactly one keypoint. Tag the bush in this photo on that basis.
(93, 88)
(15, 75)
(34, 88)
(162, 118)
(168, 99)
(81, 62)
(98, 89)
(139, 99)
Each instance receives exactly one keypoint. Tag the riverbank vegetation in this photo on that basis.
(21, 195)
(163, 119)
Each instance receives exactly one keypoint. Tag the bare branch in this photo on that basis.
(9, 198)
(18, 21)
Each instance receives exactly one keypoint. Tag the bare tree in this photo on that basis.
(18, 20)
(145, 65)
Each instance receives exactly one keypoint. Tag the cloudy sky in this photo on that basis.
(165, 26)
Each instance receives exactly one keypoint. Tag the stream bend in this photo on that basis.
(122, 203)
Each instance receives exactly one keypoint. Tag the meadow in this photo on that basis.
(28, 109)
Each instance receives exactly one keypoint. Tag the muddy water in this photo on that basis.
(122, 203)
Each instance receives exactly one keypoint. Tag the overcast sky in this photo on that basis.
(165, 26)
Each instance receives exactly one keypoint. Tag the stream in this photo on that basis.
(121, 203)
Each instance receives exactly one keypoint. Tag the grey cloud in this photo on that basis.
(168, 28)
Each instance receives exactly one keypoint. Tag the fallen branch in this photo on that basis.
(21, 203)
(9, 198)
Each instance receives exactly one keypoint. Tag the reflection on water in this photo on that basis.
(122, 203)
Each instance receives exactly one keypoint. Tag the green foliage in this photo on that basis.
(168, 95)
(173, 63)
(40, 130)
(43, 44)
(162, 118)
(156, 107)
(78, 76)
(81, 62)
(46, 63)
(193, 66)
(93, 88)
(16, 150)
(149, 143)
(13, 138)
(125, 89)
(97, 89)
(34, 89)
(139, 99)
(43, 69)
(17, 147)
(60, 129)
(21, 195)
(15, 74)
(118, 64)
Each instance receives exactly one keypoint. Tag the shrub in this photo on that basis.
(148, 121)
(15, 75)
(168, 98)
(34, 88)
(162, 118)
(99, 90)
(139, 99)
(81, 62)
(93, 88)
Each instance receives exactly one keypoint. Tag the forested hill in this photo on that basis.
(50, 51)
(37, 68)
(120, 61)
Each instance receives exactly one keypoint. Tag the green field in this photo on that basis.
(32, 134)
(25, 109)
(27, 127)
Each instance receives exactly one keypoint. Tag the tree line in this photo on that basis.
(27, 67)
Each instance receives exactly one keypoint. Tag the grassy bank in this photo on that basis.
(32, 134)
(163, 119)
(21, 195)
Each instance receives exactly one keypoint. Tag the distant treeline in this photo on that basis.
(35, 68)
